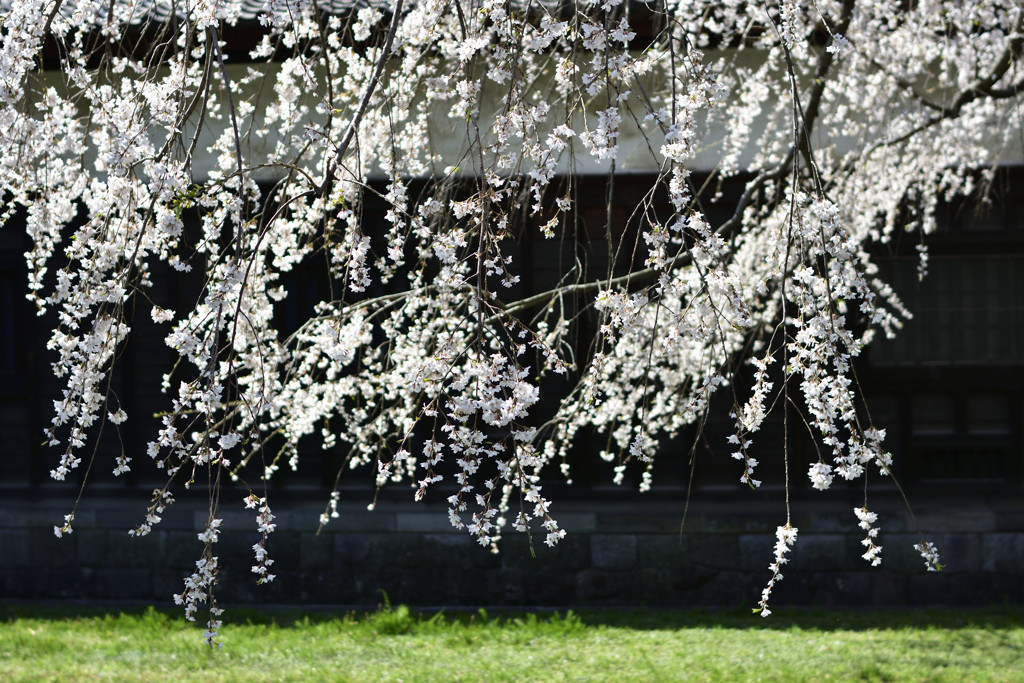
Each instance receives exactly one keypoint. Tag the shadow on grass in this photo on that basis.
(400, 619)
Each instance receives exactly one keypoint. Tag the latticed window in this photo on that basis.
(949, 387)
(967, 310)
(8, 323)
(15, 385)
(958, 433)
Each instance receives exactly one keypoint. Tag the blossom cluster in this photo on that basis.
(265, 526)
(873, 554)
(785, 538)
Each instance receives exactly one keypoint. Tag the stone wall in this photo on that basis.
(618, 553)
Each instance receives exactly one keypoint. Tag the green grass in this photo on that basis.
(396, 644)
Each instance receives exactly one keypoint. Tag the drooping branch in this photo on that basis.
(981, 87)
(364, 102)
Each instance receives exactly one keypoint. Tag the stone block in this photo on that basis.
(757, 551)
(232, 520)
(614, 552)
(1002, 553)
(352, 519)
(899, 554)
(477, 588)
(597, 587)
(578, 522)
(830, 588)
(92, 547)
(315, 550)
(126, 551)
(49, 551)
(287, 587)
(333, 587)
(236, 546)
(929, 588)
(284, 548)
(827, 523)
(350, 549)
(167, 582)
(411, 586)
(367, 587)
(732, 588)
(425, 521)
(957, 519)
(14, 583)
(129, 514)
(734, 523)
(394, 551)
(512, 587)
(282, 518)
(960, 552)
(74, 583)
(181, 550)
(977, 588)
(572, 553)
(551, 588)
(888, 588)
(123, 584)
(237, 587)
(661, 550)
(662, 522)
(11, 517)
(126, 516)
(819, 553)
(649, 587)
(14, 548)
(35, 518)
(690, 577)
(455, 551)
(843, 520)
(85, 517)
(62, 583)
(176, 517)
(1010, 519)
(716, 550)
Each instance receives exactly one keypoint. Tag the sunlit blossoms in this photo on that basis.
(930, 555)
(426, 356)
(785, 538)
(873, 554)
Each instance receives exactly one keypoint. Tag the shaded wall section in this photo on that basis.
(617, 553)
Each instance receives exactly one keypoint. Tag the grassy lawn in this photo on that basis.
(38, 644)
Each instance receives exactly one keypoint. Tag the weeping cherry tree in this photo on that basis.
(135, 134)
